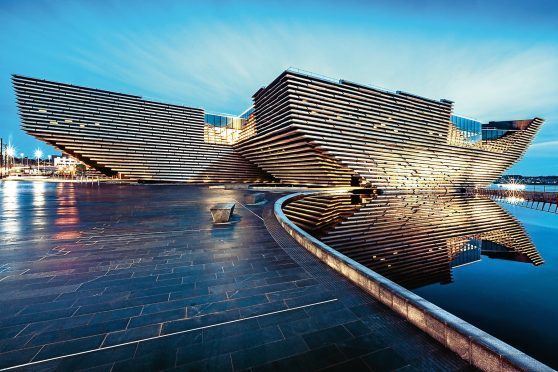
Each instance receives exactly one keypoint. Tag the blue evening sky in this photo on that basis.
(496, 59)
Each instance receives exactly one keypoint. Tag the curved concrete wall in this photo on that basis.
(472, 344)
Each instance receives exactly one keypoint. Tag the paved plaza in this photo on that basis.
(137, 277)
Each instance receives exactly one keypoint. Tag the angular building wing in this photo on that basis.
(312, 130)
(303, 129)
(127, 135)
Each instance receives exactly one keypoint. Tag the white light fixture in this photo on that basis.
(10, 151)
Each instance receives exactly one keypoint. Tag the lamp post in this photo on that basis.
(1, 157)
(21, 158)
(10, 153)
(38, 155)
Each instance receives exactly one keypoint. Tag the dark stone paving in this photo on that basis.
(131, 277)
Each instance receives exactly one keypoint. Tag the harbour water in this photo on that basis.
(515, 302)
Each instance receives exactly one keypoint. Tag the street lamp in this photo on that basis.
(10, 153)
(38, 155)
(21, 157)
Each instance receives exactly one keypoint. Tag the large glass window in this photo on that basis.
(220, 129)
(470, 130)
(493, 133)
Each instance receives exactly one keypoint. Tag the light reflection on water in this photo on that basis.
(514, 200)
(38, 195)
(10, 223)
(37, 210)
(66, 211)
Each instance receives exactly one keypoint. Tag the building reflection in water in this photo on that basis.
(414, 239)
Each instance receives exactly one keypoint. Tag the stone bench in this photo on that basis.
(254, 198)
(222, 212)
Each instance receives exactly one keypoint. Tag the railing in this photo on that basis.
(525, 187)
(546, 201)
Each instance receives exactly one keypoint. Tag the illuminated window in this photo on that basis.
(220, 129)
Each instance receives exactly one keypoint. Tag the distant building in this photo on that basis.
(65, 161)
(66, 165)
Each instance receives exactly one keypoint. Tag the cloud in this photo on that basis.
(551, 145)
(214, 64)
(547, 149)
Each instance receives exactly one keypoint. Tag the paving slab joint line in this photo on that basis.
(248, 209)
(163, 336)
